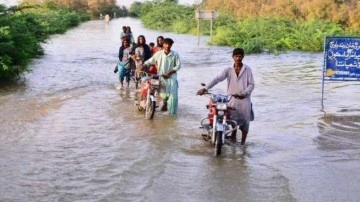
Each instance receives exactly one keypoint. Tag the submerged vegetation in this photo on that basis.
(259, 25)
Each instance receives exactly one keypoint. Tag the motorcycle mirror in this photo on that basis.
(202, 84)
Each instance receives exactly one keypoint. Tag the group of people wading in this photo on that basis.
(160, 59)
(137, 57)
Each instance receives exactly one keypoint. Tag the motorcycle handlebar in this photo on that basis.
(228, 107)
(153, 76)
(237, 96)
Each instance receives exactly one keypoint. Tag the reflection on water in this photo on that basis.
(340, 131)
(67, 133)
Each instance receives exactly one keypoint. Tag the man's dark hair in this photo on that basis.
(238, 51)
(168, 41)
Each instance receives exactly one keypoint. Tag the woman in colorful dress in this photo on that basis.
(125, 62)
(139, 53)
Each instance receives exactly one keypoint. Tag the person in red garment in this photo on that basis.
(159, 46)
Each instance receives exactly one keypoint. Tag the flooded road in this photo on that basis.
(67, 133)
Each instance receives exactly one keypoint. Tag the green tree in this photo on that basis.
(24, 28)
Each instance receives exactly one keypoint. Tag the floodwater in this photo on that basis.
(67, 133)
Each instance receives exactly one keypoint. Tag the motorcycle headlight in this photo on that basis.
(220, 113)
(155, 82)
(221, 106)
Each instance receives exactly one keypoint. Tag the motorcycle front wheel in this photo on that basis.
(218, 142)
(150, 108)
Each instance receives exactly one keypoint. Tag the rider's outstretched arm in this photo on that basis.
(219, 78)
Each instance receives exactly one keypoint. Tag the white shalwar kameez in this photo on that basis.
(242, 85)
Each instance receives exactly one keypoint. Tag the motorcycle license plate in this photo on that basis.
(220, 127)
(153, 98)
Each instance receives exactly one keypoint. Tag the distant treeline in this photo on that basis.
(93, 7)
(259, 25)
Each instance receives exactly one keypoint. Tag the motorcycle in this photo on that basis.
(217, 125)
(150, 86)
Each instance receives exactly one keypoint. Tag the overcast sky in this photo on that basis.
(10, 2)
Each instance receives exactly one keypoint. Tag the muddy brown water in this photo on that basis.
(67, 133)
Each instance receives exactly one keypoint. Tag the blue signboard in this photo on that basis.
(342, 58)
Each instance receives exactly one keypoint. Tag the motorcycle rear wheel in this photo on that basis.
(218, 142)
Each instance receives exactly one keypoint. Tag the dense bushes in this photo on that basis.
(165, 15)
(255, 33)
(343, 12)
(169, 17)
(24, 28)
(273, 35)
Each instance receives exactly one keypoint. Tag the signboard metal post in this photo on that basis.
(205, 15)
(198, 31)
